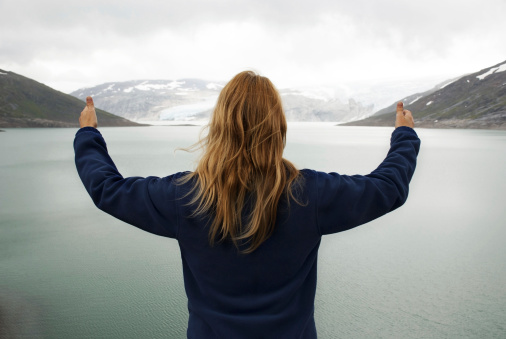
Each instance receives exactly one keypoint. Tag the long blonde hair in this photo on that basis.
(242, 163)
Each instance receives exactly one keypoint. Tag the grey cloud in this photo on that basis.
(143, 16)
(420, 29)
(431, 24)
(421, 19)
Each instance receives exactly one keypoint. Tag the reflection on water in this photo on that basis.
(434, 268)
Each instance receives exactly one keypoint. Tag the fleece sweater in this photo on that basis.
(269, 293)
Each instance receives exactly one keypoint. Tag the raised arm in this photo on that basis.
(348, 201)
(148, 203)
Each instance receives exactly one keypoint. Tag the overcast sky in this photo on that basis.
(73, 44)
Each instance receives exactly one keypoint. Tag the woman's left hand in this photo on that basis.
(88, 116)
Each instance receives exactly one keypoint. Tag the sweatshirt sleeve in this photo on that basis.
(147, 203)
(344, 202)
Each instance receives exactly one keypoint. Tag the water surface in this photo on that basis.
(434, 268)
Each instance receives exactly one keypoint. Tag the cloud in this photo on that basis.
(292, 41)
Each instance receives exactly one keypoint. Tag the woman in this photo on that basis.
(248, 223)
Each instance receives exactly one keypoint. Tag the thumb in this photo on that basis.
(89, 102)
(400, 107)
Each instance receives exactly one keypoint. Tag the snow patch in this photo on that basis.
(307, 94)
(188, 112)
(1, 73)
(500, 68)
(145, 86)
(189, 89)
(448, 83)
(109, 88)
(430, 102)
(414, 100)
(128, 90)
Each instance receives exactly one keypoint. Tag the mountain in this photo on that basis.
(28, 103)
(153, 100)
(194, 99)
(476, 100)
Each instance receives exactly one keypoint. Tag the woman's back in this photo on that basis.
(266, 293)
(239, 285)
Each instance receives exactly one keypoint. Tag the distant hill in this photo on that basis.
(194, 99)
(477, 100)
(28, 103)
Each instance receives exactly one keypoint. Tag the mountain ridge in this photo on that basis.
(475, 100)
(194, 99)
(24, 102)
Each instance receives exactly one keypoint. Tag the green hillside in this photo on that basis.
(27, 103)
(476, 100)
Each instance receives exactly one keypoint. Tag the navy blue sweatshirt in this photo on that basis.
(270, 292)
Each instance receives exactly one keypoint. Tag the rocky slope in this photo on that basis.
(476, 100)
(27, 103)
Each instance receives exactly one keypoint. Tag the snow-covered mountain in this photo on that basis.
(25, 102)
(194, 99)
(145, 100)
(476, 100)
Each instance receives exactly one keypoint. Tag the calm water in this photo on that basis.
(436, 268)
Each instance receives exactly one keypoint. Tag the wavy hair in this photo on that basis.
(242, 163)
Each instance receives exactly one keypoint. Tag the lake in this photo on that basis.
(435, 268)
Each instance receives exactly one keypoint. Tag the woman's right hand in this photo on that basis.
(404, 117)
